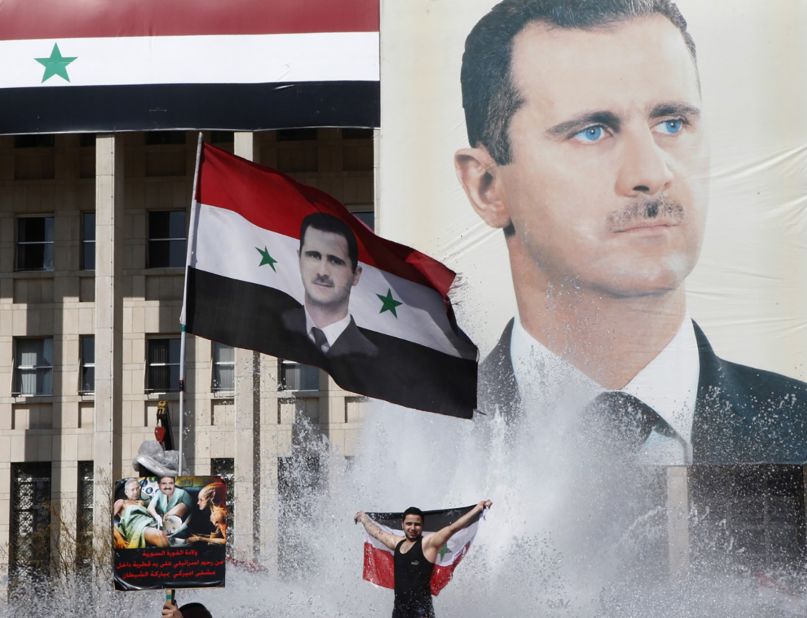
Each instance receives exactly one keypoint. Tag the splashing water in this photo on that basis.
(569, 534)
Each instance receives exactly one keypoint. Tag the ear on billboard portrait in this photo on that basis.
(478, 175)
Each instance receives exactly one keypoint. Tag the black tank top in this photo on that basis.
(413, 574)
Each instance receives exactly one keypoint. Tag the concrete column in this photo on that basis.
(268, 503)
(109, 227)
(247, 425)
(804, 503)
(678, 519)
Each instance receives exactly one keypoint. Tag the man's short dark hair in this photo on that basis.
(195, 610)
(489, 96)
(328, 223)
(413, 510)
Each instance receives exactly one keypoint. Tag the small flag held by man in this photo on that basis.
(415, 552)
(283, 268)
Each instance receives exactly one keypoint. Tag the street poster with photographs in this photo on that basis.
(169, 532)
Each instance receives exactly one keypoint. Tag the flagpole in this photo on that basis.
(182, 336)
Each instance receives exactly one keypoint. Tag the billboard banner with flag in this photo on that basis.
(205, 64)
(378, 559)
(285, 269)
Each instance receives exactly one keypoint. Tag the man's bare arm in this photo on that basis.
(374, 530)
(435, 541)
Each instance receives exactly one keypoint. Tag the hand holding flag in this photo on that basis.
(452, 530)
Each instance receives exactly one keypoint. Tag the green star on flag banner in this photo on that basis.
(386, 328)
(388, 303)
(266, 258)
(143, 65)
(55, 64)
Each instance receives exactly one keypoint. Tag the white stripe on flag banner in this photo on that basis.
(232, 247)
(454, 546)
(203, 59)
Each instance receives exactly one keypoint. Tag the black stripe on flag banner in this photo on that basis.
(432, 520)
(241, 107)
(256, 317)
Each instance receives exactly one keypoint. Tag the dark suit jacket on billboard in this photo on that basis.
(742, 414)
(379, 365)
(350, 342)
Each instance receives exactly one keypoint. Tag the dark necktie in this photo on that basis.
(622, 421)
(320, 339)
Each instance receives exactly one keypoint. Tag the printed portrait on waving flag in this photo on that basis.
(622, 189)
(285, 269)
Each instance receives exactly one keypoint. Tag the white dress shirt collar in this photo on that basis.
(331, 332)
(668, 384)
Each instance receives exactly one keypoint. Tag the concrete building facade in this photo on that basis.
(93, 234)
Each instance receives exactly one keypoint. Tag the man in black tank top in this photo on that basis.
(414, 557)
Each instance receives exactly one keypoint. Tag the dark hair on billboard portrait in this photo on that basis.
(328, 223)
(489, 96)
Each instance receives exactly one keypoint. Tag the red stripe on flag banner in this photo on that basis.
(379, 567)
(274, 201)
(57, 19)
(442, 574)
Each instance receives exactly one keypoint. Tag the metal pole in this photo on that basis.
(189, 257)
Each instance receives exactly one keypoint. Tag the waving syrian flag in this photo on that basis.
(70, 66)
(378, 559)
(245, 288)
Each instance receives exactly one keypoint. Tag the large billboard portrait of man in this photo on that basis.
(589, 151)
(620, 184)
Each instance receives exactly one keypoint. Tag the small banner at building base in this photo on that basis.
(378, 559)
(169, 532)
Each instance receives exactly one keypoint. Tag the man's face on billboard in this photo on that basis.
(606, 188)
(326, 270)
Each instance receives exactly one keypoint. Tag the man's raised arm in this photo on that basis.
(435, 541)
(375, 531)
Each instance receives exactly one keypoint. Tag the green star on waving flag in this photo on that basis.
(388, 303)
(443, 550)
(56, 64)
(266, 258)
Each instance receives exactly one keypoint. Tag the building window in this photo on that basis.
(167, 239)
(756, 515)
(222, 137)
(223, 367)
(33, 367)
(84, 515)
(87, 241)
(163, 138)
(35, 243)
(225, 468)
(298, 377)
(296, 135)
(357, 133)
(365, 216)
(87, 360)
(30, 520)
(300, 478)
(39, 140)
(163, 365)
